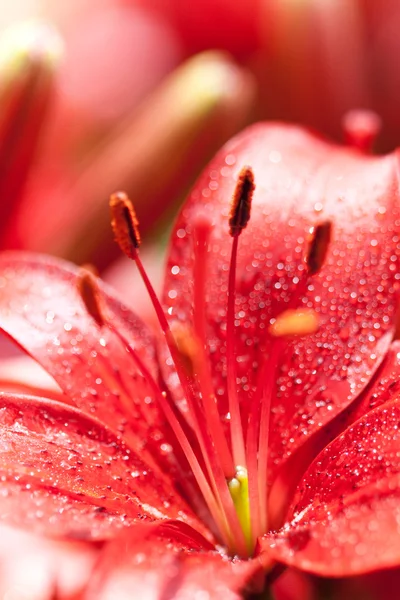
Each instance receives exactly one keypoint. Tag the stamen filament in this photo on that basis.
(237, 440)
(265, 419)
(238, 220)
(258, 520)
(211, 458)
(202, 233)
(181, 437)
(252, 467)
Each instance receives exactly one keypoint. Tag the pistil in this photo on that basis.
(239, 490)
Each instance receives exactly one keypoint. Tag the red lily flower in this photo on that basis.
(273, 342)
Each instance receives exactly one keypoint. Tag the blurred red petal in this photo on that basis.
(43, 563)
(202, 24)
(115, 56)
(163, 564)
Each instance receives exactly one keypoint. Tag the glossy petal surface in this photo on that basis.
(164, 565)
(346, 514)
(64, 473)
(384, 386)
(41, 309)
(300, 181)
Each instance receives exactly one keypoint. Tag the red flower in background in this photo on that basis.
(197, 452)
(303, 73)
(60, 160)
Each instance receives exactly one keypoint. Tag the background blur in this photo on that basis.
(99, 95)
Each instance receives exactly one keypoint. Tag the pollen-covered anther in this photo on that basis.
(125, 224)
(187, 346)
(241, 202)
(318, 248)
(298, 322)
(88, 291)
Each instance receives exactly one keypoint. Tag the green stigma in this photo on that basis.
(239, 490)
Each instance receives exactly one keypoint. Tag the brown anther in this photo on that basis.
(318, 248)
(88, 291)
(241, 202)
(187, 346)
(125, 224)
(299, 322)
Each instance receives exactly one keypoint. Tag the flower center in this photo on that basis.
(231, 471)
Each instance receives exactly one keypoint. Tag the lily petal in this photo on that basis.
(40, 308)
(346, 514)
(163, 565)
(384, 386)
(64, 473)
(301, 180)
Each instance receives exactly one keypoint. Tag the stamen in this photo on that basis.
(239, 217)
(318, 248)
(241, 201)
(223, 515)
(125, 224)
(87, 288)
(128, 238)
(298, 322)
(90, 298)
(257, 440)
(187, 347)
